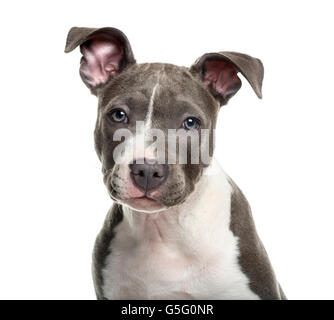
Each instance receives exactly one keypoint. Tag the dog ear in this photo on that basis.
(106, 52)
(219, 72)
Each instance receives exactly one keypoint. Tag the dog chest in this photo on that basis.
(159, 269)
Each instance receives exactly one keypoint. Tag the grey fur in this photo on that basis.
(253, 257)
(102, 247)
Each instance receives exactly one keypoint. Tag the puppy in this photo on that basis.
(180, 228)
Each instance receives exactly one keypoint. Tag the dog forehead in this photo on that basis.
(173, 83)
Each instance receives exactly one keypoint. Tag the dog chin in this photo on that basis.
(144, 205)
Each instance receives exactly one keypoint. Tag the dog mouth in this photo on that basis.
(147, 204)
(143, 203)
(145, 197)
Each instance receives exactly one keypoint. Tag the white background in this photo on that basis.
(279, 150)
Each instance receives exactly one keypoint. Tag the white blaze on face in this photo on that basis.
(148, 148)
(148, 118)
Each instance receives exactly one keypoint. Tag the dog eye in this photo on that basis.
(118, 115)
(191, 123)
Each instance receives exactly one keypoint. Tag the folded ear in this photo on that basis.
(106, 52)
(219, 72)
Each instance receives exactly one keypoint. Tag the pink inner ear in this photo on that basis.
(222, 76)
(101, 58)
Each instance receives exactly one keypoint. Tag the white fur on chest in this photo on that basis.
(186, 252)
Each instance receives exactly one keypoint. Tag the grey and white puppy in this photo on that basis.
(175, 231)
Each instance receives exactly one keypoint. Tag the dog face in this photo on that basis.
(148, 114)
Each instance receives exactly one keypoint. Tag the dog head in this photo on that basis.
(149, 115)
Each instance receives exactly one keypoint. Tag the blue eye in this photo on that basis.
(191, 123)
(119, 115)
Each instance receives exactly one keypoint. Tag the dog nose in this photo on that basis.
(149, 174)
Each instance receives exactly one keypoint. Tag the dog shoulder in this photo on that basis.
(253, 257)
(102, 246)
